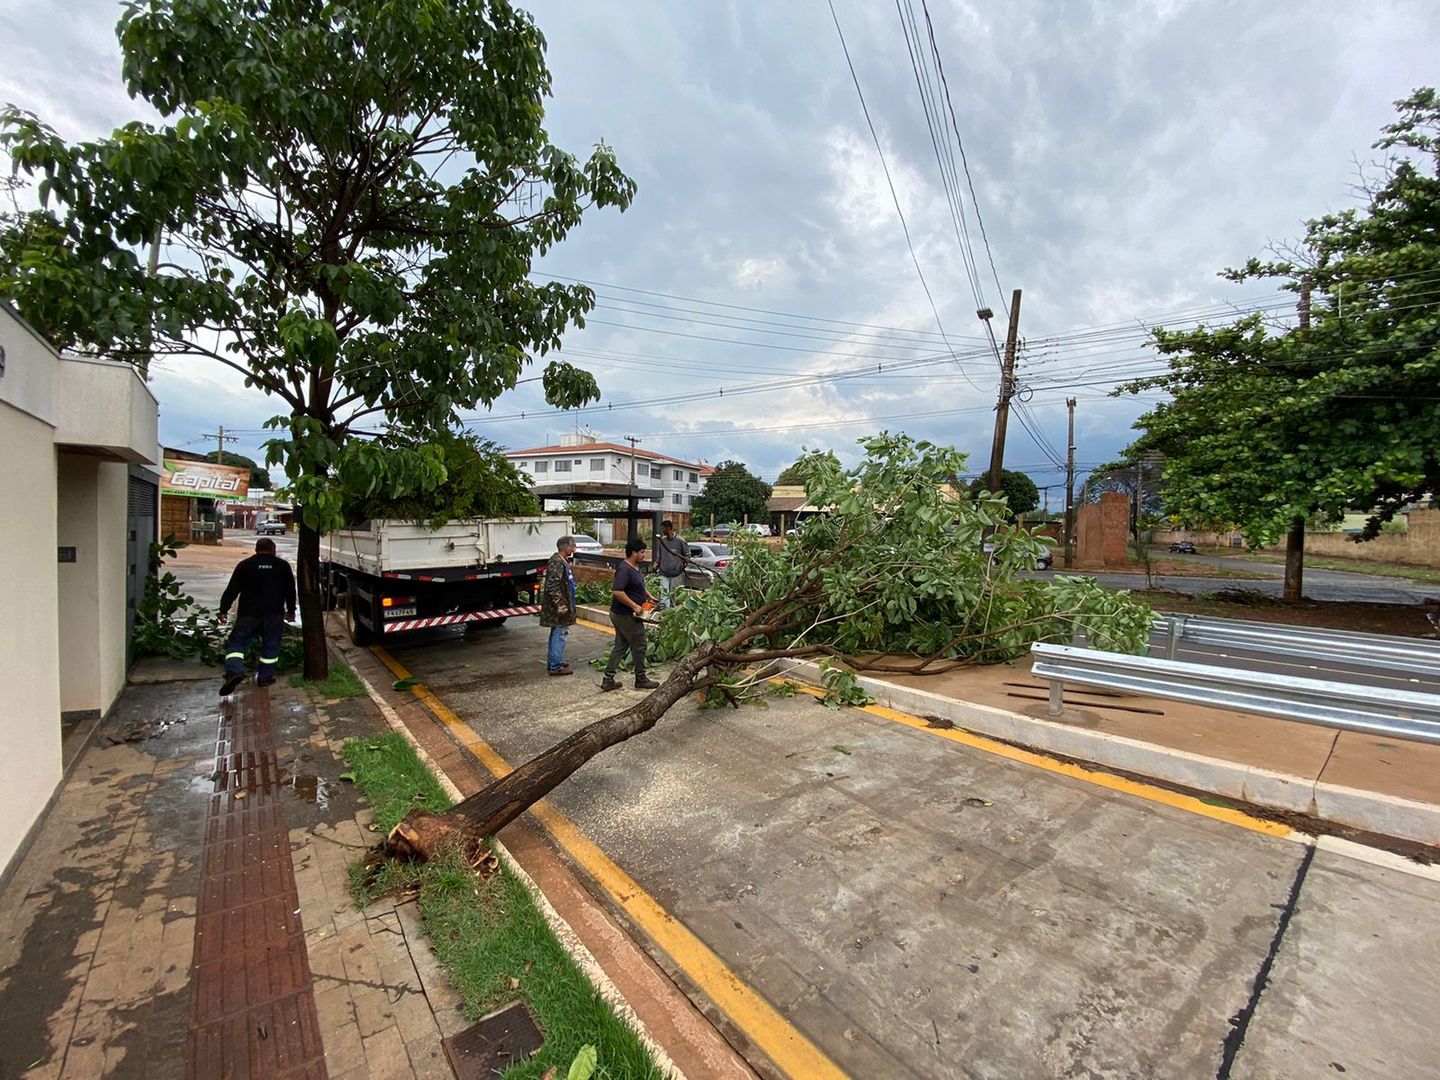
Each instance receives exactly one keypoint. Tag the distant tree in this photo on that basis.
(1270, 428)
(259, 478)
(797, 473)
(1020, 492)
(357, 190)
(733, 493)
(583, 514)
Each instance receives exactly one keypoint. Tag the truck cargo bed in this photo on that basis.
(387, 548)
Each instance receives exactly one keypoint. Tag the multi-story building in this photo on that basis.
(582, 459)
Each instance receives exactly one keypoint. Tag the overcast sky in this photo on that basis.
(1120, 153)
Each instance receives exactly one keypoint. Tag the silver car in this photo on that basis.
(710, 555)
(588, 545)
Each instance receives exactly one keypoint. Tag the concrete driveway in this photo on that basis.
(918, 908)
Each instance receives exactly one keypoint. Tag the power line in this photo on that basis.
(889, 182)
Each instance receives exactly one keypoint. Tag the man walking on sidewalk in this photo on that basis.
(628, 602)
(557, 604)
(265, 586)
(671, 551)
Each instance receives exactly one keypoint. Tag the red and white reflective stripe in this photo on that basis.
(468, 616)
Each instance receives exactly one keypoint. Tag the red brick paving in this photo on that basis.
(252, 999)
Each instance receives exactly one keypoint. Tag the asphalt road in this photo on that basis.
(916, 907)
(1318, 584)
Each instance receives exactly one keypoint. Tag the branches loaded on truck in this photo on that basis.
(390, 577)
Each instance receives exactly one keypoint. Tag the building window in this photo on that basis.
(597, 464)
(677, 500)
(542, 466)
(692, 478)
(642, 469)
(677, 475)
(579, 461)
(562, 466)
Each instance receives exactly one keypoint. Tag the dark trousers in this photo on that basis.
(269, 627)
(629, 636)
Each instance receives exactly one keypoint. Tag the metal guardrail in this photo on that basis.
(1399, 713)
(1416, 656)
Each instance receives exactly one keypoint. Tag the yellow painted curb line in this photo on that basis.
(752, 1014)
(1149, 792)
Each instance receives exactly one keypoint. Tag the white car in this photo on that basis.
(588, 545)
(758, 529)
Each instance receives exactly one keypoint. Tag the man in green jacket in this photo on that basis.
(557, 604)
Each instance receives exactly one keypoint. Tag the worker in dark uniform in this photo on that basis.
(265, 586)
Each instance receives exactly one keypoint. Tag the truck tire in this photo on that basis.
(360, 634)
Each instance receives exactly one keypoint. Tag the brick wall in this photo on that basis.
(1102, 531)
(1418, 546)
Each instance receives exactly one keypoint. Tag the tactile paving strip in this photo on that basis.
(252, 999)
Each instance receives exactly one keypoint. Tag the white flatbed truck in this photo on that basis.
(392, 577)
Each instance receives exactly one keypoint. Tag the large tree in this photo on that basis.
(349, 194)
(732, 493)
(1018, 490)
(1267, 428)
(259, 478)
(894, 578)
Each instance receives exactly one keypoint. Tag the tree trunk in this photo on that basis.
(312, 611)
(493, 807)
(1295, 560)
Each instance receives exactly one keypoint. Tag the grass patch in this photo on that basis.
(489, 935)
(1353, 566)
(342, 682)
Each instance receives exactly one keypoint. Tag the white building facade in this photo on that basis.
(581, 459)
(80, 490)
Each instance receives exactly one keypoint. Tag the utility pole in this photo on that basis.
(220, 440)
(1007, 390)
(1294, 589)
(1070, 488)
(632, 440)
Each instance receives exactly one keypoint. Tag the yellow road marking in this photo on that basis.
(594, 626)
(1149, 792)
(752, 1014)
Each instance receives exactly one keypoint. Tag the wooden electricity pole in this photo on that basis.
(1007, 389)
(1070, 488)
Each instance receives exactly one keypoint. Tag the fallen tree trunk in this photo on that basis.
(421, 834)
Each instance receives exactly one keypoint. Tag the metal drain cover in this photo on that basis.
(494, 1043)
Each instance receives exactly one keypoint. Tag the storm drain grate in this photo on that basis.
(493, 1043)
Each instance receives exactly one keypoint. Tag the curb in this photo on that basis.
(564, 933)
(1370, 811)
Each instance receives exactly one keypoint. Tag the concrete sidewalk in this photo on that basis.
(1368, 783)
(184, 909)
(1342, 781)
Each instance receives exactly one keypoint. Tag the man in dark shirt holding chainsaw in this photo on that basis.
(265, 586)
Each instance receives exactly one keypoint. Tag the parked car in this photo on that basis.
(722, 530)
(1183, 547)
(1044, 561)
(272, 527)
(758, 529)
(587, 545)
(709, 555)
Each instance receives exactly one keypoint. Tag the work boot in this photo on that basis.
(644, 682)
(231, 682)
(609, 683)
(566, 670)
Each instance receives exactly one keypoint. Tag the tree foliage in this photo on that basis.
(1266, 426)
(460, 476)
(893, 578)
(796, 473)
(350, 195)
(732, 493)
(1019, 491)
(259, 478)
